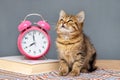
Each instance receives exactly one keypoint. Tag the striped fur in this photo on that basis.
(76, 52)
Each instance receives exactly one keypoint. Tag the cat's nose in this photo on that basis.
(63, 26)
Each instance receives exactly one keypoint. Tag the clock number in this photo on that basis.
(26, 37)
(34, 52)
(29, 34)
(44, 42)
(43, 47)
(29, 51)
(24, 42)
(43, 37)
(39, 33)
(26, 47)
(39, 50)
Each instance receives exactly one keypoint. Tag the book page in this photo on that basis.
(22, 59)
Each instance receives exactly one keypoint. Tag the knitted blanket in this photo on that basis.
(99, 74)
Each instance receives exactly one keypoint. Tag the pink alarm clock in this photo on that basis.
(33, 40)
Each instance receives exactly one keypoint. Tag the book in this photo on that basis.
(20, 64)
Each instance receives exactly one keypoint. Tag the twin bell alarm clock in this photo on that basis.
(33, 40)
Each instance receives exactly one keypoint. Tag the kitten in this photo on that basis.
(76, 52)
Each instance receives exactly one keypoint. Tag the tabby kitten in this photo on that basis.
(76, 52)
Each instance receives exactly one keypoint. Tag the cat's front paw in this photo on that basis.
(63, 71)
(74, 73)
(84, 71)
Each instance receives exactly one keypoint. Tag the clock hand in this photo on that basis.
(31, 44)
(33, 37)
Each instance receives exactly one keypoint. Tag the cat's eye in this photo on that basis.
(61, 19)
(70, 21)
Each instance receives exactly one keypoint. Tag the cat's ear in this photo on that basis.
(81, 16)
(62, 14)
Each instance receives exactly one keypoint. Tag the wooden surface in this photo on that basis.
(109, 64)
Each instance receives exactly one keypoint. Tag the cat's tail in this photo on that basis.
(92, 62)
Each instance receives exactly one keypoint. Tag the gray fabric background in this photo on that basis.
(102, 23)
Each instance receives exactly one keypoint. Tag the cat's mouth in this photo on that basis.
(64, 29)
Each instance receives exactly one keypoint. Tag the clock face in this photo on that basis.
(34, 43)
